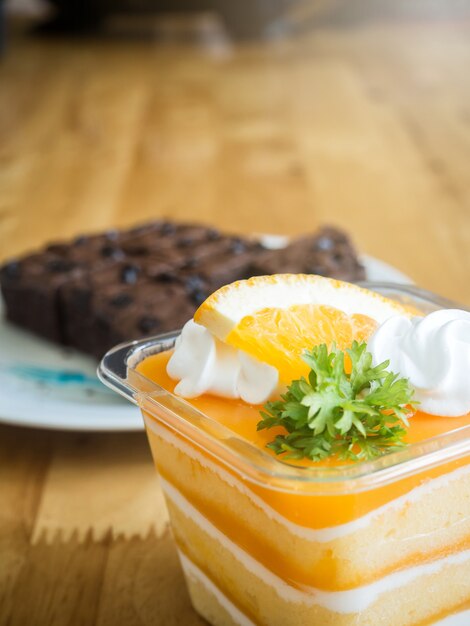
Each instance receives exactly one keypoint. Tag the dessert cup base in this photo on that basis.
(208, 600)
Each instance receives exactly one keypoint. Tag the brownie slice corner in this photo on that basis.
(328, 252)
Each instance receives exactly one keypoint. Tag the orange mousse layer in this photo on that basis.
(318, 511)
(242, 418)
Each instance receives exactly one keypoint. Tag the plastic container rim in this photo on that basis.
(254, 463)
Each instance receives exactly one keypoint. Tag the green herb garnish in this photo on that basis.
(358, 415)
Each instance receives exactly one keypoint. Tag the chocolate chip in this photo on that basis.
(213, 234)
(130, 274)
(185, 242)
(324, 243)
(338, 258)
(107, 250)
(12, 269)
(237, 246)
(194, 283)
(121, 300)
(148, 323)
(198, 296)
(59, 266)
(167, 228)
(112, 252)
(190, 263)
(112, 234)
(80, 240)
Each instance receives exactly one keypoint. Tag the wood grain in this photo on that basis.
(365, 127)
(75, 503)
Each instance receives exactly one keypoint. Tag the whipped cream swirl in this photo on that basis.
(204, 364)
(433, 352)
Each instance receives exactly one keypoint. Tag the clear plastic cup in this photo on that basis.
(382, 542)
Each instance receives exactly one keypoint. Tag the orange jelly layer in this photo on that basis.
(319, 511)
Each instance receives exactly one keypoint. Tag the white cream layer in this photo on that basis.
(350, 601)
(192, 571)
(322, 535)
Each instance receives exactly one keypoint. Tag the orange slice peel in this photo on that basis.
(276, 318)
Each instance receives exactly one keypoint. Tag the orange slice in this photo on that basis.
(276, 318)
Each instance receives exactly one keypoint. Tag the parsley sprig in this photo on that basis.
(358, 415)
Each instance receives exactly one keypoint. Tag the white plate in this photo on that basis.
(45, 386)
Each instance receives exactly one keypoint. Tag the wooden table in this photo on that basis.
(368, 128)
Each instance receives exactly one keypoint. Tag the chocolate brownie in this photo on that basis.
(329, 252)
(95, 304)
(31, 285)
(149, 308)
(30, 289)
(87, 250)
(229, 262)
(164, 236)
(115, 283)
(98, 290)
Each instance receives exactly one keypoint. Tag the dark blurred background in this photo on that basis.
(242, 19)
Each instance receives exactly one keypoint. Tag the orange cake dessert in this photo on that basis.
(311, 442)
